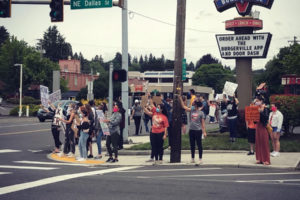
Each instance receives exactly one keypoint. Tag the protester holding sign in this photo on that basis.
(251, 126)
(231, 107)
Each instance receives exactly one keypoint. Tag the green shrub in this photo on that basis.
(26, 100)
(32, 110)
(290, 108)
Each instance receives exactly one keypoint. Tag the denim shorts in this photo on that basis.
(275, 129)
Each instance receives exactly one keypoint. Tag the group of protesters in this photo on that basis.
(80, 123)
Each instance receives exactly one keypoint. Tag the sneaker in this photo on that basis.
(90, 156)
(275, 154)
(250, 153)
(150, 160)
(199, 162)
(155, 162)
(160, 162)
(61, 154)
(70, 155)
(81, 159)
(109, 160)
(192, 160)
(272, 153)
(98, 157)
(114, 160)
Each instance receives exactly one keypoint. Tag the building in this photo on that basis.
(70, 71)
(291, 84)
(162, 81)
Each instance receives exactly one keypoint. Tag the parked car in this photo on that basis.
(42, 115)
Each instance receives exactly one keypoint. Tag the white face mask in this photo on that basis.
(258, 103)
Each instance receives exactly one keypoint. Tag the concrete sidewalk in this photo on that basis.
(288, 161)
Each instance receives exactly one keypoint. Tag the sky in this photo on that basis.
(151, 28)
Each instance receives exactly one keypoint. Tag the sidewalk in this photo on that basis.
(287, 161)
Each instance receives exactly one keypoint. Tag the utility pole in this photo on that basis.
(295, 41)
(20, 89)
(110, 89)
(124, 95)
(178, 86)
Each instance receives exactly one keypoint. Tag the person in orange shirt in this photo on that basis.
(251, 126)
(159, 131)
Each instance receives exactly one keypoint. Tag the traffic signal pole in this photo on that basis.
(124, 94)
(178, 86)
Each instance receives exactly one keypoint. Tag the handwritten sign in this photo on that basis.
(252, 113)
(157, 100)
(104, 126)
(55, 96)
(230, 88)
(44, 91)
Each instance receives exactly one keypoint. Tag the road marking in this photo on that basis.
(22, 132)
(8, 126)
(50, 163)
(55, 179)
(169, 170)
(26, 167)
(9, 151)
(251, 174)
(1, 173)
(34, 151)
(266, 181)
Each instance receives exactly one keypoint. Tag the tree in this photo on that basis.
(287, 61)
(206, 59)
(212, 75)
(4, 35)
(54, 44)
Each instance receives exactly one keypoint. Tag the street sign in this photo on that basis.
(183, 69)
(244, 45)
(84, 4)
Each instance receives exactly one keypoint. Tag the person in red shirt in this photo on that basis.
(159, 131)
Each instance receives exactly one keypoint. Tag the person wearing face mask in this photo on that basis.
(136, 116)
(262, 149)
(197, 128)
(159, 130)
(113, 138)
(231, 107)
(275, 120)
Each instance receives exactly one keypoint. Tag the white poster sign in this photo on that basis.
(55, 96)
(44, 95)
(230, 88)
(104, 126)
(212, 111)
(244, 45)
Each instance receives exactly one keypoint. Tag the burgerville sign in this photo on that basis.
(244, 45)
(243, 6)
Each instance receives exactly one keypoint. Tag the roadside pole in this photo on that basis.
(177, 88)
(124, 96)
(110, 90)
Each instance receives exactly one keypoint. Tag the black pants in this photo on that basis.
(55, 133)
(121, 138)
(112, 140)
(157, 143)
(196, 136)
(137, 122)
(69, 140)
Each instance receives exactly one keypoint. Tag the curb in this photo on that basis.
(168, 152)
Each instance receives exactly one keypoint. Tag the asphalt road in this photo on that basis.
(27, 173)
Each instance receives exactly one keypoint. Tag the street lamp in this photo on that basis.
(20, 89)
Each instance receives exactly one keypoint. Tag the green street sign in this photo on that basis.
(83, 4)
(183, 69)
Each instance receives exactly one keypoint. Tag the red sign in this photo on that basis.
(238, 23)
(252, 113)
(138, 88)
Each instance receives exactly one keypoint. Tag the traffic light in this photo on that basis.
(57, 10)
(119, 75)
(5, 8)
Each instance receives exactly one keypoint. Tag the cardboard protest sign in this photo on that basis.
(212, 110)
(104, 126)
(252, 113)
(44, 91)
(230, 88)
(144, 101)
(157, 100)
(55, 96)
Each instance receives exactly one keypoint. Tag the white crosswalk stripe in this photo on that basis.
(2, 173)
(9, 151)
(26, 167)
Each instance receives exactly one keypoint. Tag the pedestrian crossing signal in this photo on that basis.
(5, 8)
(119, 75)
(57, 10)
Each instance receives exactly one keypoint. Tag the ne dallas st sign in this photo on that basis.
(83, 4)
(244, 45)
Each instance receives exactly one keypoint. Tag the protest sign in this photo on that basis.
(55, 96)
(157, 100)
(44, 91)
(230, 88)
(104, 126)
(212, 110)
(252, 113)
